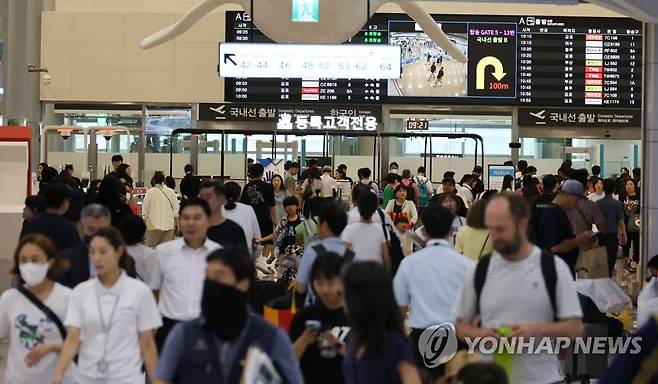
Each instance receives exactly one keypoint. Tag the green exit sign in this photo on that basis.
(305, 11)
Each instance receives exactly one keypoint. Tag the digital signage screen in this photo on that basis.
(511, 60)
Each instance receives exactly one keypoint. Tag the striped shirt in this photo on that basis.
(514, 293)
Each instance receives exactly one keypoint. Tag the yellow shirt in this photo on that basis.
(470, 242)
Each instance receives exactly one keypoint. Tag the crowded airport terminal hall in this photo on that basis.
(328, 191)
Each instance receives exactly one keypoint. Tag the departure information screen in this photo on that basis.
(512, 60)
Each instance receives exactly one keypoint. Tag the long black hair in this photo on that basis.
(372, 311)
(233, 191)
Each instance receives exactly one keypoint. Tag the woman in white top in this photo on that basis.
(448, 200)
(133, 229)
(400, 206)
(242, 214)
(365, 237)
(598, 193)
(111, 320)
(35, 340)
(160, 210)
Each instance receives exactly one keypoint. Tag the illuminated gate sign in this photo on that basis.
(305, 11)
(297, 117)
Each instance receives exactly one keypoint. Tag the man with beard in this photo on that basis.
(520, 290)
(212, 348)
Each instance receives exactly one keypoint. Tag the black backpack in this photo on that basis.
(411, 192)
(548, 271)
(348, 255)
(394, 244)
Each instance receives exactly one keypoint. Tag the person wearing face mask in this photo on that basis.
(226, 327)
(319, 331)
(394, 168)
(111, 320)
(31, 314)
(179, 268)
(78, 267)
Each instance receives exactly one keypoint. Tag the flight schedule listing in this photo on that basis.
(510, 60)
(565, 61)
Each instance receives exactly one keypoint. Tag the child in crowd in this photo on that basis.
(406, 236)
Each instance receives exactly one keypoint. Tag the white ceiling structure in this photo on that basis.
(342, 19)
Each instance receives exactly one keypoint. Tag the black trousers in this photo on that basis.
(633, 239)
(611, 242)
(162, 332)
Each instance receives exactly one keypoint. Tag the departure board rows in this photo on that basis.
(511, 60)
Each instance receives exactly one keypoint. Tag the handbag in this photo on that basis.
(594, 262)
(280, 312)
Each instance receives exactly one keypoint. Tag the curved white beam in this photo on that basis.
(631, 9)
(431, 28)
(187, 21)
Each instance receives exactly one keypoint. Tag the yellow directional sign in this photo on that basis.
(482, 66)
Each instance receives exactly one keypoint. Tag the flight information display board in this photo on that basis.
(512, 60)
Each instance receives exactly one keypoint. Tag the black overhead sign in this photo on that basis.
(297, 117)
(585, 117)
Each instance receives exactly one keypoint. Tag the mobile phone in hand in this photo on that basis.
(313, 325)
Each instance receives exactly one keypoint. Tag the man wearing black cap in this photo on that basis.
(555, 232)
(478, 184)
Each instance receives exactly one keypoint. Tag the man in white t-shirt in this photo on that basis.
(329, 187)
(515, 293)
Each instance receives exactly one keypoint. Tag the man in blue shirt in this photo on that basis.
(430, 280)
(331, 222)
(213, 347)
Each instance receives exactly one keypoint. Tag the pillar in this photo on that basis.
(649, 213)
(21, 23)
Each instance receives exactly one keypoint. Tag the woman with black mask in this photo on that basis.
(378, 351)
(227, 327)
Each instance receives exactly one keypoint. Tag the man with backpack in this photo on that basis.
(521, 289)
(331, 222)
(364, 178)
(425, 189)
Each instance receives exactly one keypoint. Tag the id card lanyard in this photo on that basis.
(102, 365)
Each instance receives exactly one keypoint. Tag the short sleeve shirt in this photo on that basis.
(27, 327)
(227, 233)
(554, 228)
(612, 212)
(260, 196)
(315, 368)
(584, 216)
(515, 292)
(366, 240)
(135, 311)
